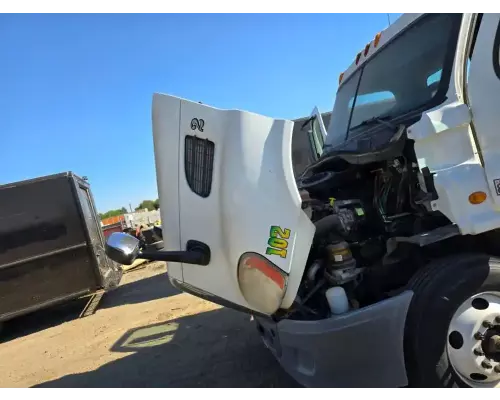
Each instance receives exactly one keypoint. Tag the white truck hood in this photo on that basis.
(225, 178)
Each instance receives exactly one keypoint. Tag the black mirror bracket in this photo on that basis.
(197, 253)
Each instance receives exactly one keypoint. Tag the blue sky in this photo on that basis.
(76, 89)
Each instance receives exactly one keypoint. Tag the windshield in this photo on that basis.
(412, 71)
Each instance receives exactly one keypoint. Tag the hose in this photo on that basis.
(329, 224)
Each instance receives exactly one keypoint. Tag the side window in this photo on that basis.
(317, 132)
(315, 137)
(313, 144)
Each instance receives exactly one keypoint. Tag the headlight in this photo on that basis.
(262, 283)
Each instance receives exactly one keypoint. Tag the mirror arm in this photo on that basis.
(197, 253)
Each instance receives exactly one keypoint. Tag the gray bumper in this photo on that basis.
(363, 348)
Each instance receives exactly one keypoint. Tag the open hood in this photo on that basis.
(225, 179)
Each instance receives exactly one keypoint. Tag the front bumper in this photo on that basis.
(363, 348)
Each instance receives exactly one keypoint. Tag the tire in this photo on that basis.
(439, 290)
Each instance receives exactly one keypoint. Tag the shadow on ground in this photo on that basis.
(143, 290)
(147, 289)
(218, 348)
(41, 320)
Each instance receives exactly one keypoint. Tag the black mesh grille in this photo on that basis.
(199, 164)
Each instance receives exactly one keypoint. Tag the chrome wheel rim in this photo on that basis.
(473, 341)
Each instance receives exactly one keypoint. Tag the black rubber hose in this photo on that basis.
(328, 225)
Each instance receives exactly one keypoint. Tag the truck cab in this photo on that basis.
(404, 188)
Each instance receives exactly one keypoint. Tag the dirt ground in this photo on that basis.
(144, 334)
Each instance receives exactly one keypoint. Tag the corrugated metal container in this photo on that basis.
(51, 244)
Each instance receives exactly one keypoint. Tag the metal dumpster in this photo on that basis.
(51, 244)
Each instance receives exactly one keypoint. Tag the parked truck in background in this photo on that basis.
(378, 265)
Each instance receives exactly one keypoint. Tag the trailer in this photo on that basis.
(51, 246)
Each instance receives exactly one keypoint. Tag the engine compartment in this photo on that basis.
(368, 208)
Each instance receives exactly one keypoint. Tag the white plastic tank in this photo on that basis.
(337, 300)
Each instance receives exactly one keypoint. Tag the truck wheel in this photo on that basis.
(452, 333)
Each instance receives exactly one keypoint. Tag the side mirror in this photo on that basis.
(125, 249)
(122, 248)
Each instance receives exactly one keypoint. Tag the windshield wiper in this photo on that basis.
(379, 120)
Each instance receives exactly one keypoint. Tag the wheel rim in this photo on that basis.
(473, 341)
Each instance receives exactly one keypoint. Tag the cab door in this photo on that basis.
(225, 178)
(456, 143)
(483, 92)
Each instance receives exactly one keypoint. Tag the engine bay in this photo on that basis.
(361, 205)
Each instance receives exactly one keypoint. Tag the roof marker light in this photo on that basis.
(341, 76)
(358, 57)
(367, 48)
(377, 39)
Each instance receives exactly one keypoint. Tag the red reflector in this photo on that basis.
(259, 263)
(358, 57)
(367, 48)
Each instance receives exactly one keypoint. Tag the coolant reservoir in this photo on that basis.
(337, 300)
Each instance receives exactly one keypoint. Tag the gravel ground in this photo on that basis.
(144, 334)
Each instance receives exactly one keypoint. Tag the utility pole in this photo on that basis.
(388, 19)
